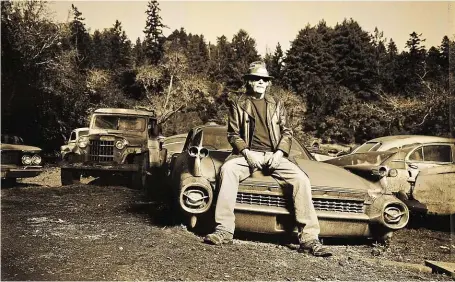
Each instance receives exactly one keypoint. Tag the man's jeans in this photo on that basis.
(237, 170)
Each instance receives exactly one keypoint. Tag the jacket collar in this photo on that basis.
(245, 103)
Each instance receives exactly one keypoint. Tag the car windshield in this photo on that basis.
(125, 123)
(12, 139)
(217, 140)
(368, 147)
(83, 132)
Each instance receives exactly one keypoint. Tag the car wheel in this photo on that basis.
(139, 178)
(69, 177)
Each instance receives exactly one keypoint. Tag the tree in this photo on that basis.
(354, 55)
(138, 53)
(80, 39)
(154, 38)
(412, 65)
(244, 53)
(275, 63)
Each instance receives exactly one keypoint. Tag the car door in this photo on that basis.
(430, 155)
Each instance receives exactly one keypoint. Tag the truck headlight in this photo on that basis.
(36, 159)
(26, 160)
(120, 144)
(82, 142)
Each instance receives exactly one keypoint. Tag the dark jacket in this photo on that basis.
(241, 124)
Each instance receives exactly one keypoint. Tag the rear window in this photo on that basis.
(368, 146)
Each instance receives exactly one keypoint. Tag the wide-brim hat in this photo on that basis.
(257, 69)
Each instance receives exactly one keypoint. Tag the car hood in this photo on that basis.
(15, 147)
(321, 174)
(135, 139)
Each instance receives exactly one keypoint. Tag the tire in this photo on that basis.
(69, 177)
(139, 178)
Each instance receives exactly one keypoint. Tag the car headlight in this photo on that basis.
(36, 159)
(120, 144)
(82, 142)
(26, 160)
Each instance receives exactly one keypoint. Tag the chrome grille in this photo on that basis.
(11, 157)
(263, 200)
(336, 205)
(101, 151)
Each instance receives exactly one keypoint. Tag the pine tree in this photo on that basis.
(275, 64)
(138, 53)
(80, 39)
(354, 55)
(412, 65)
(244, 53)
(154, 38)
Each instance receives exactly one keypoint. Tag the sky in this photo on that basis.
(270, 22)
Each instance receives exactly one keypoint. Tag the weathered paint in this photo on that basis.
(435, 187)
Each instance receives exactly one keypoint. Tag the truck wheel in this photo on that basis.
(139, 178)
(69, 177)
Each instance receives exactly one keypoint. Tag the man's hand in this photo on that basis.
(275, 160)
(252, 161)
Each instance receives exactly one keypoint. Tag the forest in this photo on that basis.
(340, 84)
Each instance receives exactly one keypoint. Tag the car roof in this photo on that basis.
(401, 140)
(124, 111)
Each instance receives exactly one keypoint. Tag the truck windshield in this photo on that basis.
(124, 123)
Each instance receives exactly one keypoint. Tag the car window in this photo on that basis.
(417, 155)
(437, 153)
(83, 132)
(73, 136)
(368, 146)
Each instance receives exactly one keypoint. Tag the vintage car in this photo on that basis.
(70, 145)
(18, 160)
(346, 204)
(119, 141)
(405, 154)
(399, 152)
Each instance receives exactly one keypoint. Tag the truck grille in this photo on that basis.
(101, 151)
(11, 157)
(335, 205)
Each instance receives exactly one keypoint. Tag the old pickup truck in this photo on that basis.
(119, 141)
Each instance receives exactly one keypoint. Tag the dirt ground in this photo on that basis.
(104, 231)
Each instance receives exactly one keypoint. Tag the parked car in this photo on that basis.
(70, 145)
(405, 154)
(346, 204)
(18, 160)
(399, 152)
(119, 141)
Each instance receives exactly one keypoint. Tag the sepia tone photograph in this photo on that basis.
(227, 140)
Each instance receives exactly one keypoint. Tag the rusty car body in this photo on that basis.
(433, 188)
(346, 204)
(407, 153)
(119, 141)
(18, 160)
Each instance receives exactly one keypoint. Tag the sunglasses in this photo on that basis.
(257, 78)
